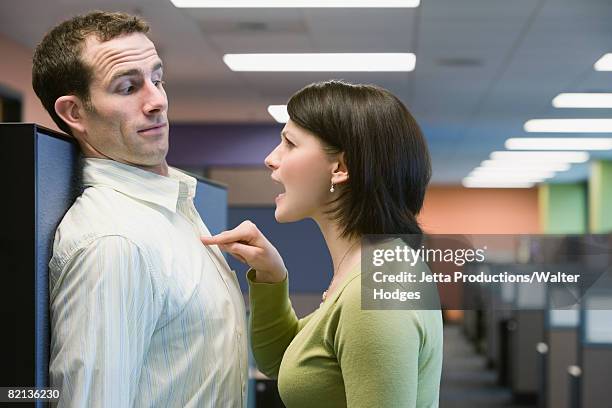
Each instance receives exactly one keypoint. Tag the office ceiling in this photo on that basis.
(483, 67)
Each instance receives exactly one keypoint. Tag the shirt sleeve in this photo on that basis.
(378, 353)
(272, 323)
(104, 310)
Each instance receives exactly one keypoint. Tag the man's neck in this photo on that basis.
(160, 169)
(90, 152)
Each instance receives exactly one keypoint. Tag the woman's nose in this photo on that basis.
(271, 160)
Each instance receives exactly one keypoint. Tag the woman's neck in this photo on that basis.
(344, 251)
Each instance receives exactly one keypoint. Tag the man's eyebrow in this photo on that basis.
(134, 71)
(129, 72)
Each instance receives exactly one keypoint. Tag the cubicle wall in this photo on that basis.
(550, 344)
(595, 351)
(560, 350)
(41, 170)
(528, 331)
(506, 322)
(42, 173)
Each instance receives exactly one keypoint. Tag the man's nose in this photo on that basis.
(155, 99)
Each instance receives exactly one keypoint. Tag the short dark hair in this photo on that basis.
(384, 149)
(57, 67)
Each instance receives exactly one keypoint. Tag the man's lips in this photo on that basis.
(161, 125)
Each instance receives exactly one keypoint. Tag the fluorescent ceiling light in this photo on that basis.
(504, 173)
(556, 143)
(496, 184)
(544, 157)
(604, 63)
(583, 100)
(506, 178)
(295, 3)
(279, 113)
(518, 165)
(569, 125)
(340, 62)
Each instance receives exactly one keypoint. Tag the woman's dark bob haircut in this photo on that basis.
(384, 150)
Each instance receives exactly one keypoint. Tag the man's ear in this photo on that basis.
(340, 171)
(70, 108)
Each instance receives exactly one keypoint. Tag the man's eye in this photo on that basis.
(127, 90)
(159, 83)
(288, 142)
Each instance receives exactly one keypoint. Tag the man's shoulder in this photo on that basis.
(101, 212)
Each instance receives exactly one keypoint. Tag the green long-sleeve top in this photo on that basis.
(343, 356)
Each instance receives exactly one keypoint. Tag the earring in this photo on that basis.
(331, 190)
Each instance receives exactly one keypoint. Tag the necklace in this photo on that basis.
(324, 296)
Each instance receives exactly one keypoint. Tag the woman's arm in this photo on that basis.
(272, 323)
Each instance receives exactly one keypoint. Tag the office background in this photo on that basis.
(483, 70)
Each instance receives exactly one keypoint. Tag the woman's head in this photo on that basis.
(364, 140)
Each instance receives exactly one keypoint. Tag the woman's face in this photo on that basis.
(301, 165)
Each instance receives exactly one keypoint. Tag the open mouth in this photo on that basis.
(280, 189)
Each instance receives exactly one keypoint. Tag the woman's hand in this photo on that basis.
(249, 245)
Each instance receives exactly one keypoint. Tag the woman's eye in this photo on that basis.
(288, 142)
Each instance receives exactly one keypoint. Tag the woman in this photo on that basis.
(353, 159)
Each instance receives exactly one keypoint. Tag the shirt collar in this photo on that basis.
(138, 183)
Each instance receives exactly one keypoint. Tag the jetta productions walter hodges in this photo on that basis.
(501, 277)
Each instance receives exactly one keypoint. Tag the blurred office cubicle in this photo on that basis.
(550, 344)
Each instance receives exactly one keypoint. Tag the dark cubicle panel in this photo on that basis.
(501, 326)
(211, 202)
(497, 300)
(40, 170)
(474, 308)
(528, 331)
(593, 376)
(595, 350)
(42, 173)
(488, 311)
(560, 350)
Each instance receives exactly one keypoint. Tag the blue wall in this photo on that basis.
(300, 244)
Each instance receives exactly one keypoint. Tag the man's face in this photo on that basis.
(127, 121)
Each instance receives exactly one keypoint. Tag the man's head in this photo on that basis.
(100, 79)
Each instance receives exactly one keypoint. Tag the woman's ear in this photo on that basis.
(340, 171)
(70, 109)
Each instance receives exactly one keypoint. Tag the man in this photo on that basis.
(142, 314)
